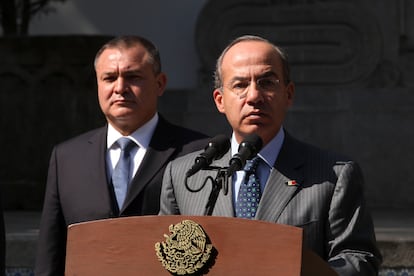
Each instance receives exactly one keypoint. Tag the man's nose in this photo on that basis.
(121, 86)
(254, 93)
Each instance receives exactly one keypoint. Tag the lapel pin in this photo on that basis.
(292, 183)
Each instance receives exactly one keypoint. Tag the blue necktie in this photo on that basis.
(249, 193)
(121, 173)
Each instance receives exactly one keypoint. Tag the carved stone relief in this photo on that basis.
(329, 43)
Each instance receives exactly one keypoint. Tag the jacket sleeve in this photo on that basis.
(50, 258)
(168, 203)
(352, 245)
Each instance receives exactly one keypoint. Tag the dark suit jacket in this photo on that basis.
(78, 189)
(328, 202)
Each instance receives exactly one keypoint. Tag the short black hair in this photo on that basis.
(129, 41)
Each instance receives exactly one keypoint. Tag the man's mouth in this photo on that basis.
(254, 115)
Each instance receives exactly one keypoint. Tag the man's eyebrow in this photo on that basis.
(268, 74)
(124, 73)
(108, 74)
(236, 78)
(132, 72)
(264, 75)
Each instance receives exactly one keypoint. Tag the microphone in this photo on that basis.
(215, 149)
(249, 148)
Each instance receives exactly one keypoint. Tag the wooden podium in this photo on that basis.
(126, 246)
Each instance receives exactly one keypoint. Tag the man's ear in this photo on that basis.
(162, 83)
(290, 91)
(218, 99)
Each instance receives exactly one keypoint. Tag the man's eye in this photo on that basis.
(267, 83)
(240, 85)
(109, 78)
(135, 77)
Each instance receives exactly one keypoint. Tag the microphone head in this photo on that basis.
(221, 144)
(215, 149)
(248, 149)
(253, 142)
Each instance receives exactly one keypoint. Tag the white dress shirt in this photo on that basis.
(268, 154)
(142, 137)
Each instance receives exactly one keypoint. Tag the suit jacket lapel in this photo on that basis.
(277, 193)
(160, 149)
(95, 158)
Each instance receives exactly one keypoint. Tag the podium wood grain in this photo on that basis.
(126, 246)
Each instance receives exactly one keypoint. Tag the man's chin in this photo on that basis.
(124, 118)
(124, 114)
(254, 128)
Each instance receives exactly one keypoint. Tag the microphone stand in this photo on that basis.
(220, 182)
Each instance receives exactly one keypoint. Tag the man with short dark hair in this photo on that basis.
(93, 176)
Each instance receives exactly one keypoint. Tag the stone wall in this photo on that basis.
(352, 62)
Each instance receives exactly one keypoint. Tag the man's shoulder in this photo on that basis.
(188, 156)
(81, 138)
(185, 160)
(316, 151)
(178, 136)
(187, 134)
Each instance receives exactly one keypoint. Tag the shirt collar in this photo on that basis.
(142, 136)
(269, 152)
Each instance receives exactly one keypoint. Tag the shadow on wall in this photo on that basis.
(47, 95)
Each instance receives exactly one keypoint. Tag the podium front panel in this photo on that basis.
(126, 246)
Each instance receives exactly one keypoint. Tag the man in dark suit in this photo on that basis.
(81, 184)
(299, 184)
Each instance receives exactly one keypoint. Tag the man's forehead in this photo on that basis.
(128, 56)
(251, 54)
(248, 71)
(252, 47)
(116, 52)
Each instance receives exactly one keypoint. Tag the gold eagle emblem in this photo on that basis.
(186, 250)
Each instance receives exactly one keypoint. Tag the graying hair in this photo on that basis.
(218, 79)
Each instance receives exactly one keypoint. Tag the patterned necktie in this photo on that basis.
(249, 193)
(121, 173)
